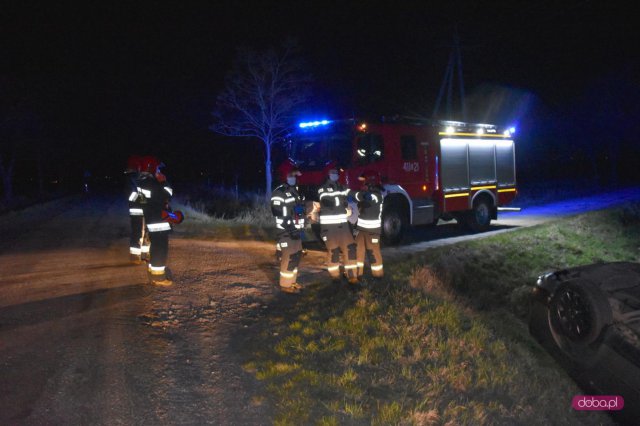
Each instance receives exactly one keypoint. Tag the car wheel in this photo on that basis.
(578, 313)
(479, 218)
(392, 225)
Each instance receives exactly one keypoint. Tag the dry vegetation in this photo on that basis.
(441, 340)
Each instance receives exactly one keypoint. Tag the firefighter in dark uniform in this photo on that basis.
(334, 228)
(369, 225)
(153, 186)
(136, 214)
(287, 207)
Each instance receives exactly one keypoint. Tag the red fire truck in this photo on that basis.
(430, 170)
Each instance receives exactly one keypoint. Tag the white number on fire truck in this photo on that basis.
(409, 166)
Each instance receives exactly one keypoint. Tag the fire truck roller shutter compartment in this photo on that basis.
(454, 165)
(505, 163)
(482, 165)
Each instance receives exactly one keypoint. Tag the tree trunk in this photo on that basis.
(267, 170)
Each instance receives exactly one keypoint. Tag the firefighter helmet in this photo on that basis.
(287, 169)
(150, 164)
(133, 164)
(370, 177)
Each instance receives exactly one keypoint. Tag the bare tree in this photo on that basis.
(259, 99)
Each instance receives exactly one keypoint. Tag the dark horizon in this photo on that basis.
(104, 81)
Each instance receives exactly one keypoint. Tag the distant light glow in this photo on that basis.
(306, 124)
(512, 130)
(480, 131)
(363, 126)
(424, 187)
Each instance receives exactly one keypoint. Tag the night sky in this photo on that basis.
(106, 79)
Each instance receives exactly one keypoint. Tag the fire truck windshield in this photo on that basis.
(314, 151)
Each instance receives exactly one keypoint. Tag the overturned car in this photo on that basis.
(588, 317)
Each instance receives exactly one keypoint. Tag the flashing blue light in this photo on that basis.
(512, 130)
(314, 123)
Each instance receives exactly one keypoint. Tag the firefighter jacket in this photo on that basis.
(333, 203)
(155, 196)
(369, 209)
(135, 200)
(287, 207)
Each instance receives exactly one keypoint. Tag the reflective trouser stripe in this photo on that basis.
(135, 250)
(369, 223)
(333, 219)
(135, 212)
(157, 227)
(156, 270)
(144, 249)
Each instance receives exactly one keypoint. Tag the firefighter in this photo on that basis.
(369, 225)
(287, 207)
(156, 193)
(334, 228)
(136, 215)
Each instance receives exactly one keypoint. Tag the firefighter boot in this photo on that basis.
(162, 283)
(159, 279)
(294, 288)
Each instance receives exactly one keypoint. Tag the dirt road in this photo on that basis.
(84, 339)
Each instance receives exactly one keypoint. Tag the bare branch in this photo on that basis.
(261, 94)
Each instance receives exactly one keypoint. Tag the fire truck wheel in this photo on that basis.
(393, 225)
(479, 218)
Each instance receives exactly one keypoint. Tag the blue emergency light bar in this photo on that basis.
(313, 124)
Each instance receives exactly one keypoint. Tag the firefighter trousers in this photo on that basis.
(135, 239)
(291, 253)
(368, 242)
(339, 240)
(159, 252)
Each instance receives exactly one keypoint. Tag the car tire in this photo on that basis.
(393, 225)
(479, 218)
(579, 311)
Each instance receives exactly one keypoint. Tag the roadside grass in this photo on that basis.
(441, 339)
(499, 271)
(255, 223)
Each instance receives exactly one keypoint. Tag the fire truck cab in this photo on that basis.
(430, 170)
